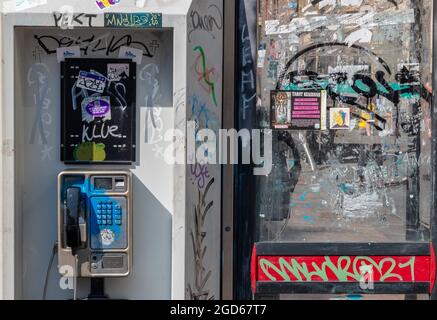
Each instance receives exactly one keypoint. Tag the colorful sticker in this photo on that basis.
(107, 236)
(91, 81)
(340, 119)
(103, 4)
(298, 110)
(96, 108)
(133, 20)
(282, 110)
(118, 71)
(90, 151)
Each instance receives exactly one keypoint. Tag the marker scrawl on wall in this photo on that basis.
(248, 92)
(37, 79)
(106, 44)
(207, 76)
(202, 115)
(149, 74)
(208, 22)
(198, 238)
(199, 175)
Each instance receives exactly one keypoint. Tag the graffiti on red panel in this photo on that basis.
(343, 269)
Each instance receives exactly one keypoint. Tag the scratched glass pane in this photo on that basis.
(371, 182)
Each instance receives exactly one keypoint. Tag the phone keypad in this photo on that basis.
(108, 213)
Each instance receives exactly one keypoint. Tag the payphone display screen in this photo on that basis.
(98, 111)
(103, 183)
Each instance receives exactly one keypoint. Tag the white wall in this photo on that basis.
(204, 98)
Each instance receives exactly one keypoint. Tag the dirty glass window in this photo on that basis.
(371, 180)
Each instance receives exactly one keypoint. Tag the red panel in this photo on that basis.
(253, 271)
(432, 270)
(343, 269)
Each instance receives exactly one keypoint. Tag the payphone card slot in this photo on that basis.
(108, 223)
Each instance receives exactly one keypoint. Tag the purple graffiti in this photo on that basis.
(199, 174)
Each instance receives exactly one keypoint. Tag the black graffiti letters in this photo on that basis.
(210, 21)
(63, 19)
(407, 83)
(107, 44)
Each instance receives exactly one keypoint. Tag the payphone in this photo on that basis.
(95, 207)
(95, 223)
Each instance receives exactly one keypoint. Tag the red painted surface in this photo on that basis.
(342, 269)
(253, 273)
(432, 269)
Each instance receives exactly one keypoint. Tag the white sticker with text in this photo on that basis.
(131, 53)
(67, 52)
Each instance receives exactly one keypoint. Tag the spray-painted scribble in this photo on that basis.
(340, 269)
(198, 290)
(207, 75)
(149, 74)
(209, 22)
(199, 175)
(38, 82)
(67, 19)
(106, 44)
(247, 78)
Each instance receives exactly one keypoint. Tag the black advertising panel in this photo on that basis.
(98, 111)
(298, 110)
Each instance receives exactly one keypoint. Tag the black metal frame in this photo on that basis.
(272, 288)
(433, 230)
(245, 219)
(344, 249)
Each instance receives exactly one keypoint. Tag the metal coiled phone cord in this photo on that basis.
(76, 267)
(52, 258)
(49, 268)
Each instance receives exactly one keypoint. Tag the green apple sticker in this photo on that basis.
(90, 151)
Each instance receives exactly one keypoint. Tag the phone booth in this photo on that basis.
(344, 89)
(97, 196)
